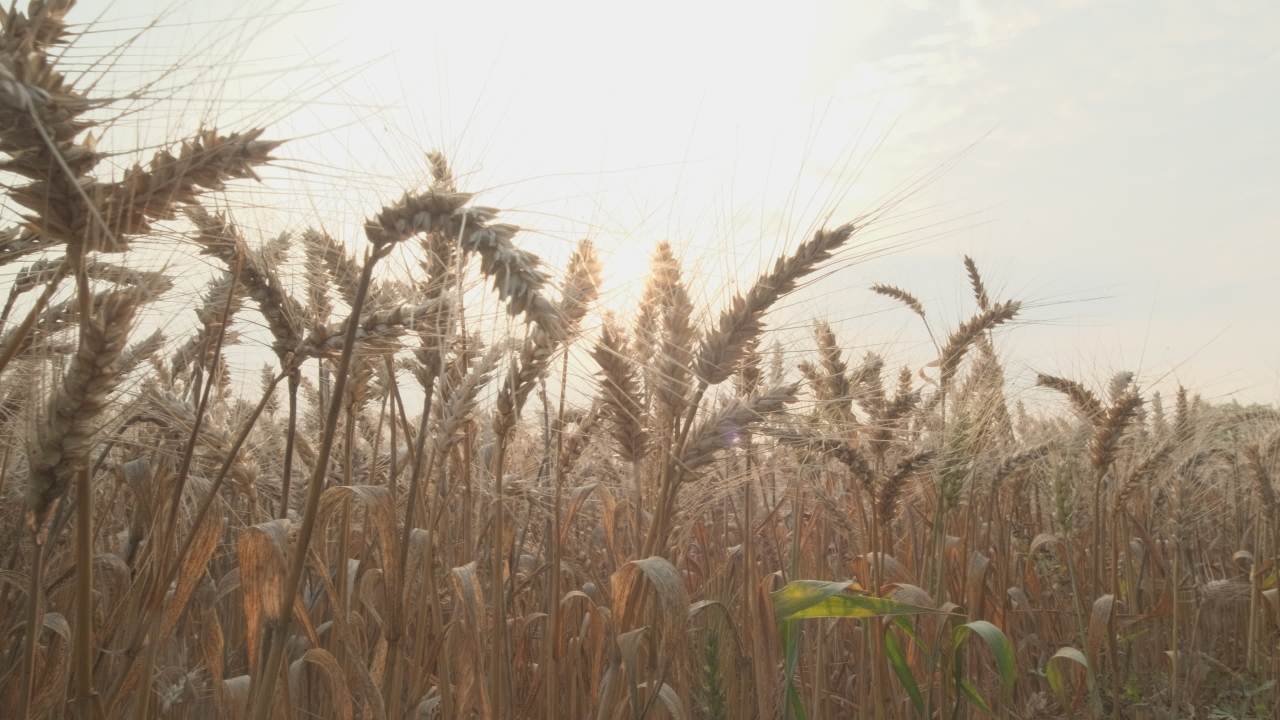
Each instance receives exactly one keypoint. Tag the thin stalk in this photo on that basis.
(1173, 641)
(295, 377)
(671, 476)
(377, 437)
(84, 597)
(156, 597)
(84, 521)
(188, 452)
(498, 660)
(262, 696)
(410, 512)
(1082, 628)
(392, 698)
(550, 678)
(34, 625)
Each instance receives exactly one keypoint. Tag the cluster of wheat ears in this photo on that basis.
(715, 535)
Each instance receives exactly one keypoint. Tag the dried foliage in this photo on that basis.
(432, 526)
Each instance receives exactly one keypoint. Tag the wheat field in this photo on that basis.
(415, 515)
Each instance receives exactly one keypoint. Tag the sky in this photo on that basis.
(1110, 164)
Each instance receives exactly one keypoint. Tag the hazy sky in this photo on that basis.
(1113, 164)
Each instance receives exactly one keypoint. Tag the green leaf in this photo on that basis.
(903, 624)
(807, 600)
(794, 703)
(791, 655)
(804, 599)
(1000, 648)
(974, 696)
(810, 599)
(898, 660)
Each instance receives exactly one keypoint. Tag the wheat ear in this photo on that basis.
(968, 332)
(1082, 399)
(722, 348)
(63, 444)
(723, 428)
(620, 394)
(896, 293)
(975, 282)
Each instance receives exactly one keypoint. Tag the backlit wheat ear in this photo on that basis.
(516, 273)
(1182, 425)
(1120, 384)
(1109, 427)
(1082, 399)
(672, 345)
(42, 116)
(814, 378)
(777, 370)
(748, 374)
(43, 26)
(895, 484)
(416, 213)
(850, 457)
(581, 286)
(266, 377)
(837, 396)
(66, 435)
(45, 269)
(441, 249)
(316, 274)
(214, 442)
(1017, 462)
(576, 444)
(647, 333)
(33, 276)
(377, 332)
(341, 268)
(905, 397)
(220, 238)
(866, 383)
(205, 162)
(725, 427)
(722, 347)
(442, 179)
(460, 402)
(1159, 421)
(141, 351)
(644, 335)
(970, 331)
(358, 389)
(53, 320)
(210, 313)
(902, 296)
(975, 282)
(17, 242)
(620, 394)
(1144, 472)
